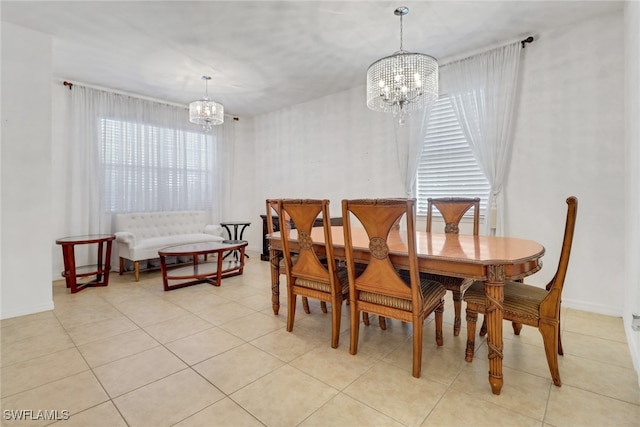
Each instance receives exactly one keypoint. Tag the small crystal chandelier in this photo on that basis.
(205, 112)
(403, 82)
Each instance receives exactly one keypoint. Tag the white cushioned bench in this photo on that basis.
(140, 235)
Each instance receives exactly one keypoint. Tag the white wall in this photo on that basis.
(332, 147)
(569, 140)
(632, 191)
(25, 261)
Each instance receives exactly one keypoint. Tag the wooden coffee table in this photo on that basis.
(201, 270)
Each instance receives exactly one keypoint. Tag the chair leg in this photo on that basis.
(291, 309)
(305, 305)
(472, 319)
(439, 316)
(483, 328)
(121, 266)
(457, 308)
(418, 330)
(323, 307)
(550, 338)
(517, 327)
(275, 283)
(382, 322)
(560, 351)
(365, 318)
(355, 328)
(335, 321)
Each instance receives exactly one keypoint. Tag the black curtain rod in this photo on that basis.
(66, 83)
(527, 40)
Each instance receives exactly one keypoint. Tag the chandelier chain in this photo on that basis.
(401, 50)
(206, 86)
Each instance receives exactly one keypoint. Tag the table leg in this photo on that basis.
(274, 259)
(242, 255)
(69, 259)
(163, 269)
(107, 263)
(494, 289)
(242, 234)
(226, 227)
(99, 264)
(242, 230)
(234, 237)
(219, 275)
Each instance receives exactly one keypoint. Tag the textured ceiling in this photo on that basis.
(267, 55)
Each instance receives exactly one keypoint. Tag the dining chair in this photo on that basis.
(530, 305)
(276, 258)
(313, 274)
(452, 210)
(381, 288)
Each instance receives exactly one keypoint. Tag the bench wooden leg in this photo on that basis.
(121, 266)
(136, 269)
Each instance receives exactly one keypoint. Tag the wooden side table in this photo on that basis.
(236, 237)
(235, 225)
(101, 269)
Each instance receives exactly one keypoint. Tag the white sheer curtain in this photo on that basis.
(225, 137)
(409, 142)
(483, 90)
(83, 207)
(130, 154)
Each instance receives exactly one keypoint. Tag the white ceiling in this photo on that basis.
(266, 55)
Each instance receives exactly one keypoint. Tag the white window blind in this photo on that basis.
(153, 168)
(447, 166)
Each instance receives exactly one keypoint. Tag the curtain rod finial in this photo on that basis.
(527, 40)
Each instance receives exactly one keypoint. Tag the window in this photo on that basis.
(153, 168)
(447, 166)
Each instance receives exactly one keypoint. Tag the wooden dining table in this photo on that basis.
(490, 259)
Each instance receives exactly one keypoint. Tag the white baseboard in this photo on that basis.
(592, 308)
(23, 311)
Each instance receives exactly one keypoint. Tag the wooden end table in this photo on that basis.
(199, 271)
(100, 269)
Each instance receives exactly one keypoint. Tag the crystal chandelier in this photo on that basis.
(205, 112)
(403, 82)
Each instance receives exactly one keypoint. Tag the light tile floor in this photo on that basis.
(132, 354)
